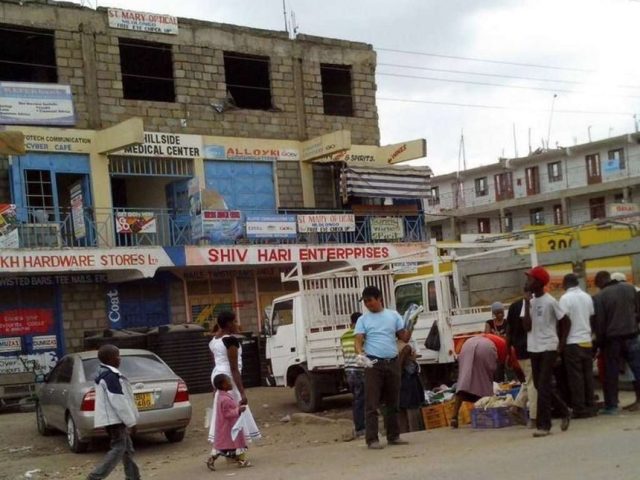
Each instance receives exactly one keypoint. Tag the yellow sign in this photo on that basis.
(61, 140)
(373, 156)
(326, 144)
(12, 143)
(121, 135)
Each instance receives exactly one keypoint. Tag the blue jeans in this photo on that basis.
(121, 451)
(355, 380)
(615, 349)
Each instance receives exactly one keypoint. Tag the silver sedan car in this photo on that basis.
(66, 400)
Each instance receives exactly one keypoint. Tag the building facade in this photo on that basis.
(158, 170)
(562, 187)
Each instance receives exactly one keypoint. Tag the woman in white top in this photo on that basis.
(227, 357)
(227, 353)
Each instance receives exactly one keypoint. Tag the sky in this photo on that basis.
(583, 51)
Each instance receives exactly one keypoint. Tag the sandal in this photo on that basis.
(211, 462)
(244, 464)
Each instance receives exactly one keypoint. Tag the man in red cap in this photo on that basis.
(548, 327)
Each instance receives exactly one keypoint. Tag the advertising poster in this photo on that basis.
(77, 211)
(219, 226)
(9, 236)
(24, 103)
(341, 222)
(26, 321)
(387, 228)
(135, 222)
(142, 21)
(272, 226)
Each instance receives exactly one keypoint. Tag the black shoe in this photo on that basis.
(566, 420)
(397, 441)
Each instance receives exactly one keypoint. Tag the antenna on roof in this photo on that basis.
(284, 13)
(553, 103)
(294, 25)
(515, 143)
(529, 140)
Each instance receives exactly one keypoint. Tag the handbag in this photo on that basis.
(433, 339)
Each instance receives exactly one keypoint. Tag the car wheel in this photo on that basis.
(41, 422)
(73, 439)
(174, 436)
(308, 398)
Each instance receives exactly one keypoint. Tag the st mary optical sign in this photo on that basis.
(142, 21)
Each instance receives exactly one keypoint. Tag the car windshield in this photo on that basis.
(131, 366)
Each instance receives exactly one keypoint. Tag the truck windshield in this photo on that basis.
(282, 314)
(408, 294)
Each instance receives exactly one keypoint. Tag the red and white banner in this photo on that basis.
(146, 260)
(26, 321)
(287, 254)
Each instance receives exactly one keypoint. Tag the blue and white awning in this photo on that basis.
(380, 182)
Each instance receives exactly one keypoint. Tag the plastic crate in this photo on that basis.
(434, 416)
(464, 415)
(491, 417)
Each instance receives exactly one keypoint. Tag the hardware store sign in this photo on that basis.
(142, 21)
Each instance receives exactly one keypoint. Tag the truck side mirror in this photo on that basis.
(268, 328)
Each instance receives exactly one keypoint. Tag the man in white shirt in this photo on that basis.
(547, 326)
(577, 356)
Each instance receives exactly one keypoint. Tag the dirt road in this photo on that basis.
(603, 447)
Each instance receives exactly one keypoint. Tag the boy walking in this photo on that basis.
(116, 411)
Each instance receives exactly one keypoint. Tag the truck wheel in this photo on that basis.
(308, 398)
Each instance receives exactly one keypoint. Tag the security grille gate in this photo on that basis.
(151, 166)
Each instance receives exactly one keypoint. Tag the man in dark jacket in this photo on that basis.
(616, 325)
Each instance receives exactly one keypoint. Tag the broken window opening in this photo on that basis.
(336, 89)
(27, 55)
(248, 81)
(147, 70)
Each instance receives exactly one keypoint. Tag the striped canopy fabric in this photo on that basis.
(380, 182)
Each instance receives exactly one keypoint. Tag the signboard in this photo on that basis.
(38, 363)
(405, 268)
(402, 152)
(326, 144)
(287, 254)
(113, 308)
(11, 344)
(624, 209)
(217, 226)
(77, 211)
(386, 228)
(47, 280)
(45, 342)
(26, 321)
(36, 104)
(135, 222)
(166, 145)
(271, 226)
(142, 22)
(342, 222)
(146, 260)
(372, 156)
(59, 140)
(9, 237)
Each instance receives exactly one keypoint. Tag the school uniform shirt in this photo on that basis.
(348, 344)
(114, 399)
(579, 306)
(379, 330)
(545, 313)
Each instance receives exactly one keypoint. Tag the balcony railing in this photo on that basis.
(119, 227)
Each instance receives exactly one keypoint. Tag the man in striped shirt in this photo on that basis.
(354, 374)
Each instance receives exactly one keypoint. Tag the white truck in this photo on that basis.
(304, 328)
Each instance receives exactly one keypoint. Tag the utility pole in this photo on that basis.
(553, 103)
(284, 13)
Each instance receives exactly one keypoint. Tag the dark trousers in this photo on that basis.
(542, 365)
(615, 349)
(578, 363)
(382, 382)
(355, 380)
(121, 451)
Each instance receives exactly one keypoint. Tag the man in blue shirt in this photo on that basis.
(376, 333)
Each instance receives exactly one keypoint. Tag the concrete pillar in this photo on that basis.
(626, 194)
(90, 75)
(501, 219)
(565, 203)
(306, 168)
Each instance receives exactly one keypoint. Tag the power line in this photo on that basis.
(485, 60)
(495, 75)
(488, 84)
(499, 107)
